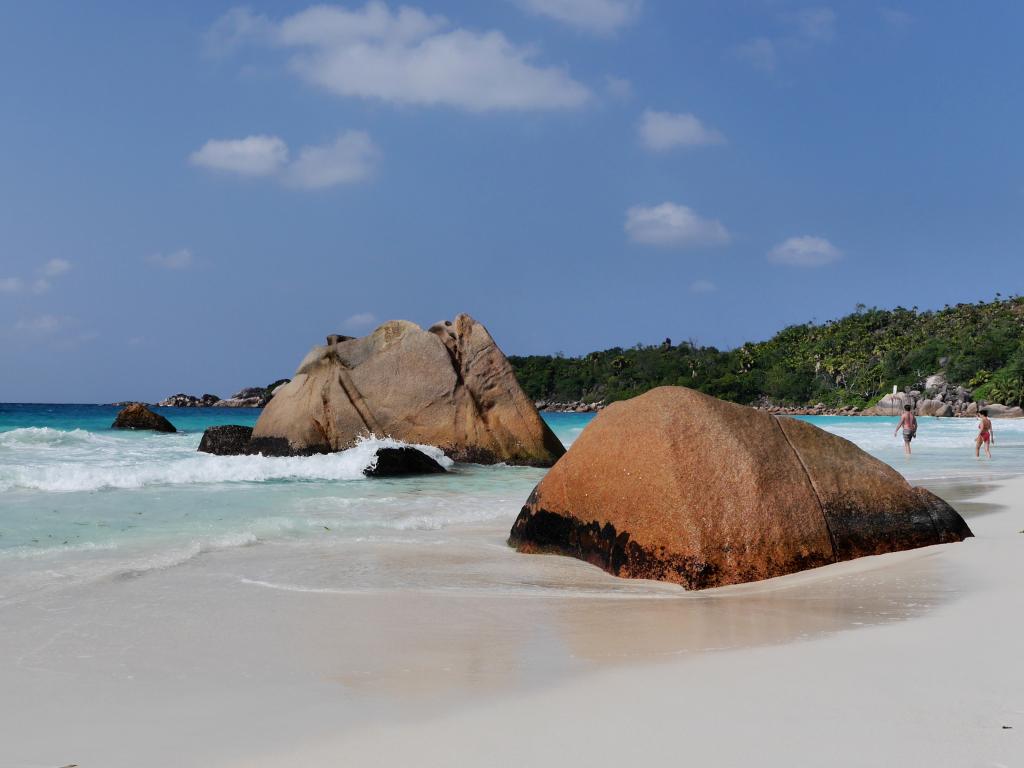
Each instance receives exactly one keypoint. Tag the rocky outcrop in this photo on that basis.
(678, 486)
(448, 386)
(138, 416)
(1000, 411)
(182, 400)
(402, 461)
(933, 408)
(574, 406)
(226, 440)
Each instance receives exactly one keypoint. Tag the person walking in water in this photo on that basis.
(908, 423)
(986, 436)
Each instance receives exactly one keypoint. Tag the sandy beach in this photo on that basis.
(903, 659)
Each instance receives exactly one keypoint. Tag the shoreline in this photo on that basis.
(956, 699)
(394, 676)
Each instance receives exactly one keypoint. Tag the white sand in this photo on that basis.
(945, 689)
(903, 660)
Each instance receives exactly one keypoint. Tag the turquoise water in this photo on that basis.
(79, 501)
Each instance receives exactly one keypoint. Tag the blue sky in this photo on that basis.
(193, 194)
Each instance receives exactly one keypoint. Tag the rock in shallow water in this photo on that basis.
(226, 440)
(405, 460)
(678, 486)
(448, 386)
(138, 416)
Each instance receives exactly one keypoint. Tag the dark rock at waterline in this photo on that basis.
(678, 486)
(138, 416)
(226, 440)
(397, 462)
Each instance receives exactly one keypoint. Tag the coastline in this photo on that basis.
(940, 688)
(182, 661)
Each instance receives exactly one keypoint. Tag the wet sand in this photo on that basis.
(226, 661)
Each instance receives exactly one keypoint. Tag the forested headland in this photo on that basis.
(850, 361)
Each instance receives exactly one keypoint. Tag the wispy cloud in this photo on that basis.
(817, 24)
(350, 158)
(703, 286)
(618, 87)
(807, 28)
(49, 271)
(660, 131)
(56, 267)
(359, 322)
(251, 156)
(405, 57)
(11, 285)
(672, 225)
(180, 259)
(805, 251)
(760, 53)
(601, 17)
(40, 324)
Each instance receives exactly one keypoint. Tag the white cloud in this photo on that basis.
(350, 158)
(601, 17)
(673, 225)
(11, 285)
(703, 286)
(52, 269)
(409, 57)
(180, 259)
(251, 156)
(818, 24)
(660, 131)
(806, 251)
(56, 267)
(359, 321)
(760, 53)
(234, 29)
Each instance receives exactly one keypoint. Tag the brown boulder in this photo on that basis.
(934, 408)
(448, 386)
(678, 486)
(138, 416)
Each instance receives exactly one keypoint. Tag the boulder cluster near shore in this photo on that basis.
(672, 485)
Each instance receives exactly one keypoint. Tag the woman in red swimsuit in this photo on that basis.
(986, 436)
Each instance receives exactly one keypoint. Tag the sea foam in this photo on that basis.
(124, 464)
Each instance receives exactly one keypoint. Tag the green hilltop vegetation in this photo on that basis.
(850, 361)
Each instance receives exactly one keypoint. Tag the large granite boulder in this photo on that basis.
(891, 405)
(138, 416)
(934, 408)
(448, 386)
(678, 486)
(1000, 411)
(226, 440)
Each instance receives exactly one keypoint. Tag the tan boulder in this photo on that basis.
(678, 486)
(934, 408)
(891, 405)
(448, 386)
(1000, 411)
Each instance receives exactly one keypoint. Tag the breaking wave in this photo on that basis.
(122, 467)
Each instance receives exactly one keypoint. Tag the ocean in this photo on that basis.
(81, 503)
